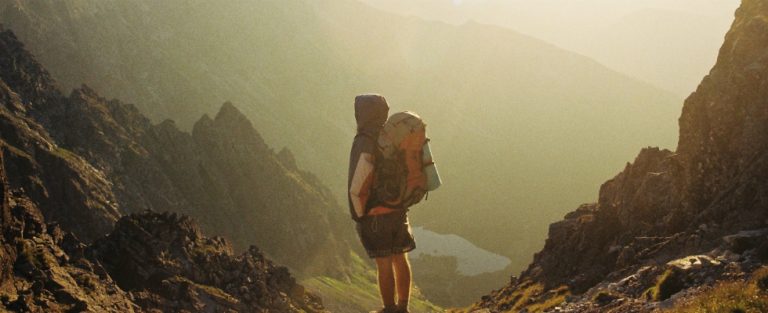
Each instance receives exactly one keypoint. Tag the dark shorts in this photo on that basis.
(386, 235)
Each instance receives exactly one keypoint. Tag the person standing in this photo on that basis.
(384, 232)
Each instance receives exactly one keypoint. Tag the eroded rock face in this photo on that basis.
(669, 205)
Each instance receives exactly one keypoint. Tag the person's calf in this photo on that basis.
(402, 269)
(386, 279)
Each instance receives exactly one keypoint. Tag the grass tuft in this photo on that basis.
(732, 297)
(667, 284)
(604, 297)
(760, 277)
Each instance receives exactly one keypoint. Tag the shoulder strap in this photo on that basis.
(365, 135)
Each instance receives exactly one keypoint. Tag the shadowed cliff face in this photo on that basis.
(668, 205)
(86, 160)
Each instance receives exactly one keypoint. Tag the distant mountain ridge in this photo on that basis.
(671, 225)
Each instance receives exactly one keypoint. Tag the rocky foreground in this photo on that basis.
(672, 225)
(150, 262)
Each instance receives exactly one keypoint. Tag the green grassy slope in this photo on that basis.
(359, 293)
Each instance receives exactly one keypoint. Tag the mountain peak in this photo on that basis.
(229, 125)
(205, 121)
(286, 157)
(228, 112)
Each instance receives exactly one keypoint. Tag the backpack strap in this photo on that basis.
(367, 135)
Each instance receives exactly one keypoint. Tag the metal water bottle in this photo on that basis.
(430, 169)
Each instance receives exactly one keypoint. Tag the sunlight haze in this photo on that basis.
(625, 35)
(242, 113)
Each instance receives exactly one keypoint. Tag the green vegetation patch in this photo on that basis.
(736, 297)
(604, 297)
(533, 298)
(667, 284)
(64, 154)
(760, 278)
(359, 292)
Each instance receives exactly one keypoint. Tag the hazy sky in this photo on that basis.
(669, 43)
(575, 8)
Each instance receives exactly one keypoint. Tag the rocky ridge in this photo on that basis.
(691, 218)
(83, 158)
(63, 185)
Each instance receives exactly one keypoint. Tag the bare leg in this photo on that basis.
(386, 281)
(403, 279)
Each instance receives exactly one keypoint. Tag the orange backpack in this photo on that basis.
(399, 178)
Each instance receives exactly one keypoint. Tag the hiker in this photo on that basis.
(384, 232)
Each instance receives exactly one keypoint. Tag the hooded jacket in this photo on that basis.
(371, 112)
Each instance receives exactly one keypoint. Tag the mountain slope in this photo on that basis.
(549, 117)
(671, 222)
(223, 173)
(65, 186)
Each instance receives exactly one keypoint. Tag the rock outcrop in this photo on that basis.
(37, 275)
(168, 265)
(693, 216)
(151, 262)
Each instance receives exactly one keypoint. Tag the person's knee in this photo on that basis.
(400, 259)
(400, 264)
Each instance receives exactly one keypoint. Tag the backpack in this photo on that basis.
(403, 163)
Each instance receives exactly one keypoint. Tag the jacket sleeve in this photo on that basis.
(362, 180)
